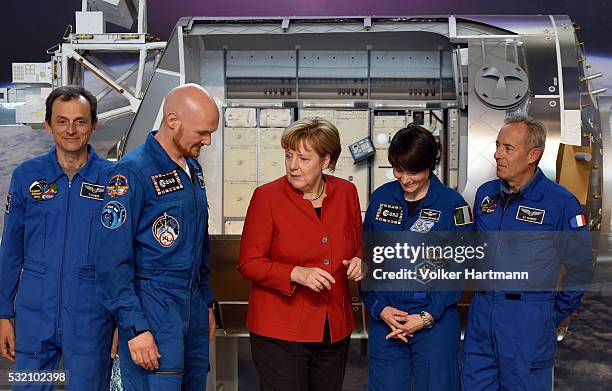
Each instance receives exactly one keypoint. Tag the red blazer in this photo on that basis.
(282, 231)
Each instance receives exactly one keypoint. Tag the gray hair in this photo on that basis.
(536, 130)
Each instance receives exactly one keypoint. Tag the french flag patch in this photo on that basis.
(577, 221)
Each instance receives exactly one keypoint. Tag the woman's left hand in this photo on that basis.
(354, 269)
(410, 325)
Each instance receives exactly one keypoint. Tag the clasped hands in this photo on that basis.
(403, 325)
(318, 279)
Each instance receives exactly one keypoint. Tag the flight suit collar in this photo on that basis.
(433, 192)
(533, 190)
(161, 156)
(89, 172)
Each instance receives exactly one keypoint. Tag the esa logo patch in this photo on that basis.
(430, 214)
(391, 214)
(113, 215)
(422, 226)
(166, 230)
(167, 183)
(530, 215)
(93, 191)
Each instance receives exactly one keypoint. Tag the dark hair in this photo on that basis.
(414, 149)
(66, 93)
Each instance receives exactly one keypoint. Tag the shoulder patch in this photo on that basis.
(201, 180)
(117, 186)
(463, 215)
(575, 222)
(489, 204)
(530, 215)
(388, 213)
(430, 214)
(168, 182)
(113, 215)
(92, 191)
(7, 209)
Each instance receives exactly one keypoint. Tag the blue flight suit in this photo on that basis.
(152, 265)
(429, 360)
(510, 337)
(47, 271)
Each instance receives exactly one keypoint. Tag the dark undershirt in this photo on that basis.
(318, 212)
(411, 206)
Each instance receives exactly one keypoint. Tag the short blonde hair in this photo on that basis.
(321, 135)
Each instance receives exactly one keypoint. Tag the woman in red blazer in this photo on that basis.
(301, 243)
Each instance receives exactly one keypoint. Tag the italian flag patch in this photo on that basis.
(463, 215)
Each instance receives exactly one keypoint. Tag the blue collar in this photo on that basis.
(89, 172)
(433, 192)
(532, 190)
(163, 159)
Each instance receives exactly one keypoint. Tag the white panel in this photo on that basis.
(240, 117)
(271, 164)
(389, 121)
(234, 227)
(353, 126)
(571, 133)
(358, 174)
(333, 64)
(240, 164)
(32, 72)
(271, 137)
(275, 118)
(329, 115)
(240, 136)
(236, 198)
(277, 63)
(90, 22)
(211, 78)
(382, 175)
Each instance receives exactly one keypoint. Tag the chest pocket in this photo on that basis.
(169, 236)
(35, 233)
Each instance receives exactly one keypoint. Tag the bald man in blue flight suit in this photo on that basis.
(510, 339)
(420, 351)
(46, 259)
(152, 250)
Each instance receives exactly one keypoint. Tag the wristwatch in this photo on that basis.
(427, 323)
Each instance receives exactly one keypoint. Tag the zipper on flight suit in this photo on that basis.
(61, 271)
(195, 205)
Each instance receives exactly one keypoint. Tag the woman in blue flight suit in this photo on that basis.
(414, 336)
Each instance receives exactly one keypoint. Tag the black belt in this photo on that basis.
(508, 296)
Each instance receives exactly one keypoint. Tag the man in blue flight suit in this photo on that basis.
(510, 337)
(413, 340)
(152, 250)
(46, 259)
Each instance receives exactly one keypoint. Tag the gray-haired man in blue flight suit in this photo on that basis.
(46, 260)
(510, 338)
(152, 250)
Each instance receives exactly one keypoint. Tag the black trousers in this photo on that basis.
(299, 366)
